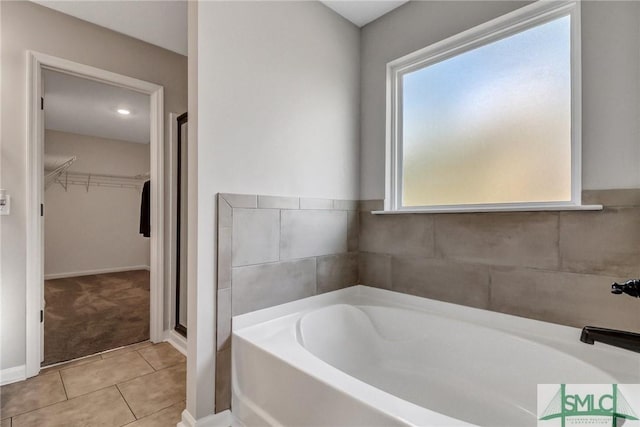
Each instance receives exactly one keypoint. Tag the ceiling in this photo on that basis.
(159, 22)
(164, 22)
(87, 107)
(364, 11)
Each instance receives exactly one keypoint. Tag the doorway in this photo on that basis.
(96, 227)
(39, 65)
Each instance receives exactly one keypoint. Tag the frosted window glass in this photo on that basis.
(491, 125)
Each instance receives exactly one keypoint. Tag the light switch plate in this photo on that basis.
(5, 203)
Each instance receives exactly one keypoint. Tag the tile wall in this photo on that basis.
(273, 250)
(551, 266)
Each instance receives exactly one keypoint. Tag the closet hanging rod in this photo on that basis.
(108, 176)
(98, 180)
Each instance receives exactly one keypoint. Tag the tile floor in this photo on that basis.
(138, 386)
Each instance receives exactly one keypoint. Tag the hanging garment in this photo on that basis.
(145, 210)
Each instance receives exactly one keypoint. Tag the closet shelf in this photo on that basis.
(99, 180)
(54, 167)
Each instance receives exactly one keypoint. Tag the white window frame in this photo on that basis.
(507, 25)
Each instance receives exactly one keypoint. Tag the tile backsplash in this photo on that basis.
(273, 250)
(551, 266)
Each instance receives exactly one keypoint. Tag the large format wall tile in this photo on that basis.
(374, 270)
(606, 242)
(223, 380)
(508, 262)
(370, 205)
(276, 202)
(615, 197)
(519, 239)
(346, 205)
(307, 233)
(567, 298)
(306, 203)
(240, 200)
(353, 230)
(337, 271)
(256, 236)
(408, 234)
(266, 285)
(273, 250)
(223, 325)
(444, 280)
(225, 213)
(224, 257)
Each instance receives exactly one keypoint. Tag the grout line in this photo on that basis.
(63, 386)
(280, 235)
(146, 361)
(36, 409)
(150, 373)
(315, 290)
(100, 354)
(167, 367)
(67, 399)
(434, 237)
(125, 401)
(490, 289)
(113, 350)
(57, 403)
(114, 384)
(159, 410)
(559, 242)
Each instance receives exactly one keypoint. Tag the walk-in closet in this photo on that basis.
(96, 217)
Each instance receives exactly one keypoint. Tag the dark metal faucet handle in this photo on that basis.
(630, 287)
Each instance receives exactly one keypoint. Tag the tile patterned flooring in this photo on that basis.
(141, 385)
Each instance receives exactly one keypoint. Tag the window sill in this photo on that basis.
(481, 209)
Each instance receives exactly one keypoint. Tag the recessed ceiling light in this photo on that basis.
(123, 111)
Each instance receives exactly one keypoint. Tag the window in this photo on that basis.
(489, 119)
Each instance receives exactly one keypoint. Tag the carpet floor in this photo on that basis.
(89, 314)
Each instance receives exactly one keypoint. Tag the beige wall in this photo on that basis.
(99, 155)
(553, 266)
(278, 111)
(98, 229)
(610, 81)
(27, 26)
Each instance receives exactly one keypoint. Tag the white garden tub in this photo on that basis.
(369, 357)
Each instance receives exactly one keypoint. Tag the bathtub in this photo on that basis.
(369, 357)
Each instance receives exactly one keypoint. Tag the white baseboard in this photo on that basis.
(99, 271)
(176, 340)
(12, 375)
(222, 419)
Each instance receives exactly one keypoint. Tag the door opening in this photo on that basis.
(96, 226)
(38, 65)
